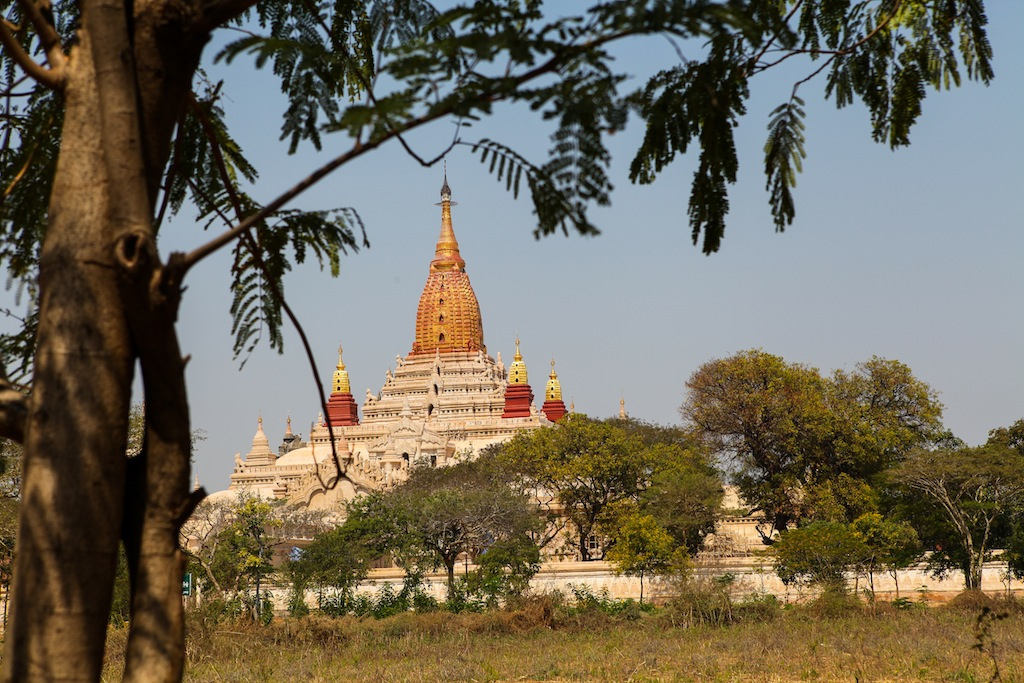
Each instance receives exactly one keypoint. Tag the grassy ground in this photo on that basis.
(545, 643)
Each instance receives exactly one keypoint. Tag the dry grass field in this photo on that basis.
(544, 643)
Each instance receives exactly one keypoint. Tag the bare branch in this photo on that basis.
(51, 78)
(43, 23)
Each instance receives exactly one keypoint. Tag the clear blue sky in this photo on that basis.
(914, 255)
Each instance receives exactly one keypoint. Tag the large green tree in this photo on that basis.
(802, 446)
(441, 514)
(593, 472)
(589, 467)
(964, 500)
(106, 132)
(769, 417)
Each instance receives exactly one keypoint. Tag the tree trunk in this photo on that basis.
(70, 517)
(973, 576)
(105, 299)
(449, 565)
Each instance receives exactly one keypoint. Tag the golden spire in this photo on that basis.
(341, 383)
(446, 254)
(517, 371)
(553, 391)
(622, 408)
(448, 317)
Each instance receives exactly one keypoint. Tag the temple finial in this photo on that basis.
(517, 371)
(446, 192)
(553, 390)
(553, 408)
(446, 254)
(340, 379)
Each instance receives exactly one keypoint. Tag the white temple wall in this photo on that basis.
(750, 577)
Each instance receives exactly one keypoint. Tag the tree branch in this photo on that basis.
(13, 410)
(843, 51)
(225, 238)
(218, 159)
(217, 12)
(51, 78)
(360, 148)
(46, 32)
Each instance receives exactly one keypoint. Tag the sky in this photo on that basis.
(912, 255)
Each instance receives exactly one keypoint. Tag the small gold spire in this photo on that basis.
(341, 382)
(517, 371)
(622, 408)
(553, 390)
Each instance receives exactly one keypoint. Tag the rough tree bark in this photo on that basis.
(107, 301)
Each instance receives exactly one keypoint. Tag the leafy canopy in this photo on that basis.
(964, 501)
(802, 446)
(601, 472)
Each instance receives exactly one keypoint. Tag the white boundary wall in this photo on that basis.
(749, 577)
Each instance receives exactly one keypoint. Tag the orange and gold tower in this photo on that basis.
(448, 318)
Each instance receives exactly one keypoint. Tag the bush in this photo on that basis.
(587, 603)
(462, 598)
(759, 607)
(297, 606)
(905, 603)
(834, 603)
(423, 602)
(700, 601)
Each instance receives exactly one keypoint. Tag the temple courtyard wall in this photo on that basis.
(749, 576)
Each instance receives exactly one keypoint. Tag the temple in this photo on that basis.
(446, 399)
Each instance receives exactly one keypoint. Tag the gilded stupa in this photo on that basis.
(446, 399)
(448, 317)
(554, 407)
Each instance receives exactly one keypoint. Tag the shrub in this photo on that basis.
(834, 603)
(700, 601)
(905, 603)
(758, 607)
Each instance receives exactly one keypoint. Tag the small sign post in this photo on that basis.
(186, 584)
